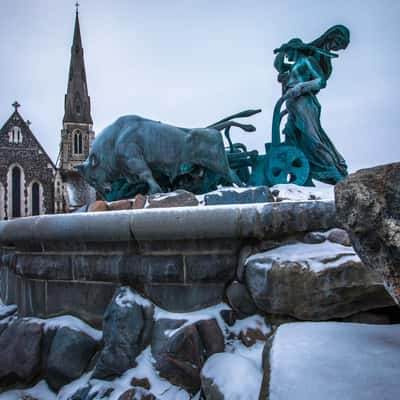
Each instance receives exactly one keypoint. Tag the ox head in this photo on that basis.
(94, 173)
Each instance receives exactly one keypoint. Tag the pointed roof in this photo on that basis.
(77, 100)
(16, 119)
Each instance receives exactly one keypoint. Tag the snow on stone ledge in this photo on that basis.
(70, 322)
(316, 257)
(291, 192)
(331, 361)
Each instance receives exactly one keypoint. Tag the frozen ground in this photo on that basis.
(161, 388)
(309, 361)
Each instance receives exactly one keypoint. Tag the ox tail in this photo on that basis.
(243, 114)
(226, 124)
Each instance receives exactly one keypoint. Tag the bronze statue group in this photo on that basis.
(135, 154)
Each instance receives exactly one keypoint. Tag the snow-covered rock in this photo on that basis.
(127, 327)
(331, 361)
(230, 376)
(313, 282)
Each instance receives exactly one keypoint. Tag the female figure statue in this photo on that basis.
(303, 71)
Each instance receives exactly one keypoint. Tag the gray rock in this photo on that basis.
(180, 353)
(238, 378)
(314, 237)
(211, 336)
(339, 236)
(20, 352)
(127, 326)
(70, 353)
(368, 207)
(368, 317)
(259, 194)
(313, 282)
(244, 253)
(229, 317)
(240, 299)
(197, 296)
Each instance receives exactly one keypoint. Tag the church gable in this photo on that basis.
(26, 171)
(15, 135)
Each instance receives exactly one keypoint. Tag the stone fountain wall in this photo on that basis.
(181, 259)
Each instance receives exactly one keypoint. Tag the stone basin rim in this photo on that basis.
(178, 223)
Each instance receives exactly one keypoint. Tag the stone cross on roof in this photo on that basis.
(16, 105)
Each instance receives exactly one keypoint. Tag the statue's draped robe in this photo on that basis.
(303, 130)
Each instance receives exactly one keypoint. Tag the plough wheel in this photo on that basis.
(286, 164)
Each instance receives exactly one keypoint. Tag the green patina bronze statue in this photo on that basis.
(303, 71)
(135, 154)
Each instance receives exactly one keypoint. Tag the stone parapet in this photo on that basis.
(181, 258)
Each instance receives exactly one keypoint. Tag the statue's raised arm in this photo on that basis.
(304, 69)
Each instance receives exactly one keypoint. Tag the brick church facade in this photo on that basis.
(30, 183)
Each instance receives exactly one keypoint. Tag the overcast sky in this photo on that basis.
(192, 62)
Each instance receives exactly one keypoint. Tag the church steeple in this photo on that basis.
(77, 133)
(77, 100)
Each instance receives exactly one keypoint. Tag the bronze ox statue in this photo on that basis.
(136, 149)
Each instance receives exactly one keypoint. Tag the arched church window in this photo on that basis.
(78, 146)
(16, 192)
(35, 199)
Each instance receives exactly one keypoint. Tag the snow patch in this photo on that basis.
(193, 317)
(68, 321)
(161, 388)
(252, 322)
(253, 353)
(237, 377)
(127, 297)
(291, 192)
(68, 390)
(333, 360)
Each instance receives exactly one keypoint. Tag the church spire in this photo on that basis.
(77, 100)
